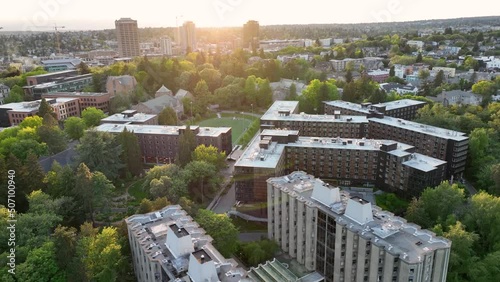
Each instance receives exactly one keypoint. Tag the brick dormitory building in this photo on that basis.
(160, 144)
(386, 152)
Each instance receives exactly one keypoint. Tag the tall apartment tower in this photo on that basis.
(128, 37)
(188, 37)
(346, 238)
(251, 35)
(166, 46)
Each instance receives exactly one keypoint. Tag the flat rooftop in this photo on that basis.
(160, 129)
(255, 156)
(277, 113)
(53, 74)
(122, 117)
(394, 233)
(150, 230)
(76, 94)
(33, 105)
(388, 106)
(422, 128)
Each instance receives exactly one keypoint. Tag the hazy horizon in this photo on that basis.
(97, 15)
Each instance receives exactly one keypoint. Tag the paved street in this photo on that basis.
(226, 202)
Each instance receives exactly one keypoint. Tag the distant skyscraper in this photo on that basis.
(128, 37)
(166, 46)
(188, 36)
(251, 34)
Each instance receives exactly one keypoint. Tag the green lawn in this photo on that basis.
(136, 191)
(238, 125)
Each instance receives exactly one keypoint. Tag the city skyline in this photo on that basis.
(93, 14)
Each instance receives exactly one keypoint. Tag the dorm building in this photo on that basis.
(389, 165)
(447, 145)
(404, 109)
(345, 238)
(160, 144)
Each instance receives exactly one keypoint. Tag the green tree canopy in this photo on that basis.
(92, 116)
(221, 229)
(74, 127)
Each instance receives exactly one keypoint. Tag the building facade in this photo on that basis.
(188, 37)
(251, 32)
(160, 144)
(388, 165)
(166, 46)
(345, 238)
(127, 35)
(123, 84)
(4, 92)
(86, 99)
(167, 245)
(50, 77)
(14, 113)
(62, 84)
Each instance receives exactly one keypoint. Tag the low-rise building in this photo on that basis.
(160, 144)
(62, 84)
(56, 65)
(4, 92)
(378, 75)
(50, 77)
(167, 245)
(124, 84)
(458, 97)
(14, 113)
(86, 99)
(163, 98)
(346, 238)
(401, 89)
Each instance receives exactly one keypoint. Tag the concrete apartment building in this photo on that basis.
(131, 117)
(284, 115)
(167, 245)
(404, 109)
(345, 238)
(160, 144)
(127, 35)
(61, 84)
(14, 113)
(86, 99)
(187, 35)
(389, 165)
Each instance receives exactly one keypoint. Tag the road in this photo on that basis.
(225, 202)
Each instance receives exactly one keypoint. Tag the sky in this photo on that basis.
(101, 14)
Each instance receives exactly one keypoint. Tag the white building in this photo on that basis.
(495, 63)
(167, 245)
(416, 44)
(166, 46)
(345, 238)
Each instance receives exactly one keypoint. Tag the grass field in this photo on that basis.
(238, 125)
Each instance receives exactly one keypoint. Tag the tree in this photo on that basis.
(100, 151)
(41, 265)
(471, 63)
(31, 122)
(435, 205)
(187, 144)
(211, 155)
(484, 88)
(348, 76)
(100, 255)
(292, 93)
(74, 127)
(65, 239)
(487, 269)
(316, 92)
(462, 256)
(439, 79)
(198, 173)
(53, 136)
(45, 108)
(392, 72)
(131, 153)
(167, 117)
(83, 68)
(83, 190)
(16, 95)
(92, 116)
(419, 58)
(221, 229)
(201, 89)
